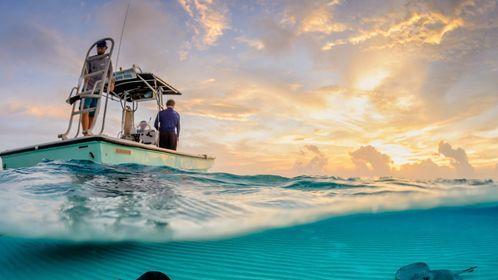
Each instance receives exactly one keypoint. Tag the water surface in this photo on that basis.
(87, 221)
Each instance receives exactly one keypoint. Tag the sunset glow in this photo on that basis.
(372, 80)
(343, 88)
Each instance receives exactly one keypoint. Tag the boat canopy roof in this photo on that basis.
(134, 85)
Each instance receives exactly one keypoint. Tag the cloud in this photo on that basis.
(419, 28)
(210, 20)
(407, 75)
(152, 38)
(458, 158)
(289, 22)
(424, 169)
(321, 21)
(217, 109)
(275, 37)
(208, 81)
(253, 43)
(311, 161)
(37, 111)
(416, 24)
(370, 162)
(26, 45)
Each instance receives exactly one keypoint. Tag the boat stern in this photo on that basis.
(33, 155)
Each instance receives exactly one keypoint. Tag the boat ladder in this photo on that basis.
(81, 92)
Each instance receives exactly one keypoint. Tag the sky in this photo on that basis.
(336, 88)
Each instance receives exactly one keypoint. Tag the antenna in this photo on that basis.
(122, 32)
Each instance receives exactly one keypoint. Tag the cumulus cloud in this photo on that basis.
(370, 162)
(424, 169)
(458, 157)
(311, 161)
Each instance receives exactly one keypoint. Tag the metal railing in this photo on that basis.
(81, 92)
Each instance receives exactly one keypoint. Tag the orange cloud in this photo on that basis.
(210, 20)
(402, 82)
(419, 28)
(369, 161)
(320, 20)
(218, 110)
(37, 111)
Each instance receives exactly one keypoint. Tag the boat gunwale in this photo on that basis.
(100, 138)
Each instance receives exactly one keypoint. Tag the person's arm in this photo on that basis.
(156, 122)
(178, 127)
(87, 71)
(111, 82)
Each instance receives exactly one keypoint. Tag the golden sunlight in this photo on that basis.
(371, 80)
(399, 154)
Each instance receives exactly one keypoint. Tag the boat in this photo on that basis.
(133, 145)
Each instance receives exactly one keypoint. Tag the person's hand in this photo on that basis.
(111, 86)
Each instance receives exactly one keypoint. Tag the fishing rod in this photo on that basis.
(122, 32)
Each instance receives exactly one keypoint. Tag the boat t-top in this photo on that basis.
(134, 144)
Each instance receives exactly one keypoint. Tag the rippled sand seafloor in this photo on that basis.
(363, 246)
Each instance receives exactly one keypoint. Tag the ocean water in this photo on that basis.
(80, 220)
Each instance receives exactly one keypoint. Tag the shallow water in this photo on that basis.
(81, 220)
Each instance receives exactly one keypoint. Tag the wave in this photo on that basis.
(84, 201)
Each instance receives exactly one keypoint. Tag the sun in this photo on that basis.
(371, 80)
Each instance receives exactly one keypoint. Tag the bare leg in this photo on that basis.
(85, 123)
(90, 121)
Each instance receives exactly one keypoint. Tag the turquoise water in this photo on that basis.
(78, 220)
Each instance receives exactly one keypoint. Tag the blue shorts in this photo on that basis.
(90, 103)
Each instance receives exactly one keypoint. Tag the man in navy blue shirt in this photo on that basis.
(168, 124)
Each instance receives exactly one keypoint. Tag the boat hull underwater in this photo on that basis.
(104, 150)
